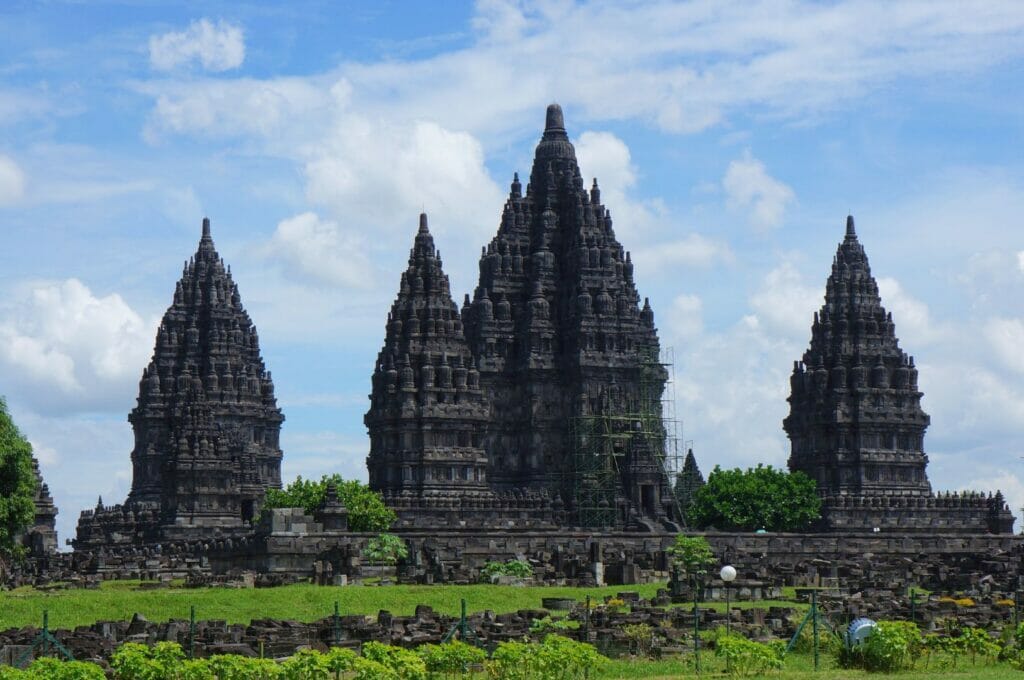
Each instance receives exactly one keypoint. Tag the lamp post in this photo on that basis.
(728, 575)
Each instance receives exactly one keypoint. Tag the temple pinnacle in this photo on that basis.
(850, 231)
(423, 224)
(206, 228)
(555, 122)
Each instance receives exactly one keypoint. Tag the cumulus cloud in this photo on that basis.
(685, 317)
(691, 251)
(66, 349)
(911, 316)
(12, 181)
(785, 304)
(1020, 260)
(322, 252)
(749, 187)
(218, 47)
(1006, 338)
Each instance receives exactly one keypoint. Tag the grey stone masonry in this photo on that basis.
(856, 424)
(206, 424)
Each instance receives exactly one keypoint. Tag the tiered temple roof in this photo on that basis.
(856, 424)
(206, 424)
(427, 415)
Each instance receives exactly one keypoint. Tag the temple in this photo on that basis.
(206, 423)
(40, 540)
(856, 424)
(548, 383)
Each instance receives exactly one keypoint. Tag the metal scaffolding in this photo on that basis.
(634, 435)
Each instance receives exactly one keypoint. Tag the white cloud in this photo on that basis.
(785, 305)
(1006, 337)
(685, 318)
(321, 251)
(691, 251)
(914, 325)
(218, 47)
(12, 181)
(67, 349)
(749, 187)
(1020, 260)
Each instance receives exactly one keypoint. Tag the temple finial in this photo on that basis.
(206, 227)
(850, 231)
(423, 224)
(555, 121)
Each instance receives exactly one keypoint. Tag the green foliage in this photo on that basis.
(692, 554)
(550, 625)
(557, 658)
(306, 664)
(232, 667)
(405, 663)
(746, 657)
(386, 549)
(17, 485)
(162, 661)
(640, 637)
(452, 658)
(758, 498)
(891, 647)
(515, 568)
(56, 669)
(366, 509)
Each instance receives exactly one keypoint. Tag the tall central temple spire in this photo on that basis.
(562, 341)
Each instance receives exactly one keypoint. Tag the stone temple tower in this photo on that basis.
(856, 424)
(568, 355)
(427, 415)
(206, 424)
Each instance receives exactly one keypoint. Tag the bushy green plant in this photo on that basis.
(746, 657)
(405, 663)
(452, 658)
(692, 554)
(57, 669)
(306, 664)
(17, 486)
(366, 509)
(233, 667)
(163, 661)
(891, 647)
(557, 658)
(756, 498)
(548, 625)
(386, 549)
(514, 568)
(640, 637)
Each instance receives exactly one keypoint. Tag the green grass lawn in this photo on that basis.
(119, 600)
(797, 666)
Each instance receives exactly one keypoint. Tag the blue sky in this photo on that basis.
(730, 141)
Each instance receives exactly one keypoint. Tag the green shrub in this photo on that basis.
(452, 658)
(56, 669)
(163, 661)
(891, 647)
(405, 663)
(514, 568)
(640, 637)
(306, 664)
(746, 657)
(557, 658)
(233, 667)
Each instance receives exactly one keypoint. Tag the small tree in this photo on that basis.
(386, 549)
(692, 554)
(757, 498)
(366, 509)
(17, 486)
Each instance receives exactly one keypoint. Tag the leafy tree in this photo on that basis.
(386, 549)
(757, 498)
(17, 485)
(692, 554)
(366, 509)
